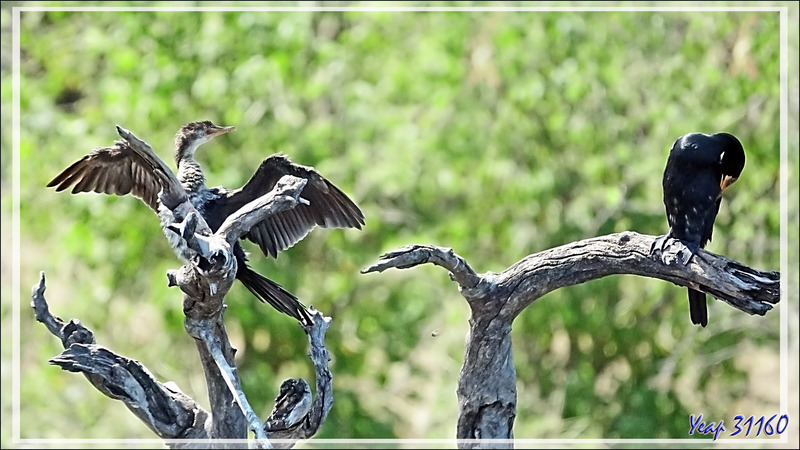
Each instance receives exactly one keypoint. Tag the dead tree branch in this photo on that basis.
(162, 407)
(292, 419)
(487, 382)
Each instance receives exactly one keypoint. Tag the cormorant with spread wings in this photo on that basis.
(121, 170)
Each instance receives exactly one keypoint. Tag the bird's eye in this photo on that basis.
(721, 156)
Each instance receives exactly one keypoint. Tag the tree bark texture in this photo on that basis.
(487, 381)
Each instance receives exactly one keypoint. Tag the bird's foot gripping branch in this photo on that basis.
(672, 251)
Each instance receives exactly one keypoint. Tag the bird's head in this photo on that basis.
(721, 151)
(194, 134)
(731, 158)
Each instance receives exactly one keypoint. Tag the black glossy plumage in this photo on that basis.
(698, 170)
(121, 170)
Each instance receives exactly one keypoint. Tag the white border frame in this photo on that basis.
(784, 221)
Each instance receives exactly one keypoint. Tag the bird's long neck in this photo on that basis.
(190, 173)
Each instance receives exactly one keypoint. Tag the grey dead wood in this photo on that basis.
(487, 382)
(285, 425)
(162, 407)
(204, 282)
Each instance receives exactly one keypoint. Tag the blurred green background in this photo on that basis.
(499, 134)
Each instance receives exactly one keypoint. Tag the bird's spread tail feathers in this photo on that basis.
(271, 292)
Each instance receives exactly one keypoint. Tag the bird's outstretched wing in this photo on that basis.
(115, 170)
(329, 207)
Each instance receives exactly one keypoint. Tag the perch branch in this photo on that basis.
(747, 289)
(487, 382)
(205, 284)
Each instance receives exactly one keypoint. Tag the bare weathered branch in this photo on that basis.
(746, 289)
(487, 382)
(414, 255)
(163, 408)
(67, 333)
(320, 358)
(487, 390)
(292, 405)
(227, 419)
(203, 332)
(749, 290)
(293, 416)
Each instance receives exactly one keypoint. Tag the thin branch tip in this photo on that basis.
(39, 287)
(123, 132)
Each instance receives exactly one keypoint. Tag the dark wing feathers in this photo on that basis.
(120, 170)
(329, 207)
(112, 170)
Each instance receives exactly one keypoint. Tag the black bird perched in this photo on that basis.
(699, 168)
(120, 170)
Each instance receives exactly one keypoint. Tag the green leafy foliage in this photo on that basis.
(498, 134)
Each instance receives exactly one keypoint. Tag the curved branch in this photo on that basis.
(486, 391)
(747, 289)
(294, 417)
(415, 254)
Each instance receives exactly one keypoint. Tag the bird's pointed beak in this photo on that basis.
(214, 132)
(726, 181)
